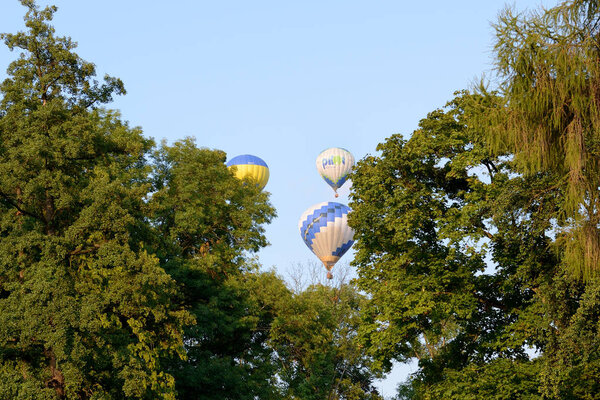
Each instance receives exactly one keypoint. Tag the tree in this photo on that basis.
(125, 272)
(458, 254)
(206, 225)
(85, 310)
(548, 64)
(313, 336)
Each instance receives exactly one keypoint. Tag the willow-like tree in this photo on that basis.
(549, 68)
(85, 310)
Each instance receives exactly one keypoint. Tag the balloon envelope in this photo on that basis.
(251, 166)
(334, 165)
(324, 228)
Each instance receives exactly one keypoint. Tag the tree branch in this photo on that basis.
(82, 251)
(7, 199)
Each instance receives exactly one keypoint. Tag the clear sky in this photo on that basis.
(282, 80)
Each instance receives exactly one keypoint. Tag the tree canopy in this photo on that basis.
(313, 337)
(128, 270)
(477, 237)
(86, 311)
(548, 67)
(113, 256)
(462, 267)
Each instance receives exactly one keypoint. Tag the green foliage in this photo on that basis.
(549, 67)
(119, 278)
(206, 223)
(419, 259)
(313, 335)
(85, 310)
(206, 214)
(498, 380)
(572, 363)
(464, 266)
(126, 271)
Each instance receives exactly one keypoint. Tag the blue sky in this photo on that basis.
(281, 80)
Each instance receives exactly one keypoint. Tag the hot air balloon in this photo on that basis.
(324, 228)
(251, 166)
(334, 165)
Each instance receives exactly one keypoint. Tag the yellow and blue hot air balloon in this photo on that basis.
(251, 166)
(324, 228)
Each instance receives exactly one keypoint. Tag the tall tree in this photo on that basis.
(457, 252)
(474, 234)
(208, 223)
(549, 70)
(85, 310)
(464, 269)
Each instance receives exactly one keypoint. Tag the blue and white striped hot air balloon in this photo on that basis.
(334, 165)
(324, 228)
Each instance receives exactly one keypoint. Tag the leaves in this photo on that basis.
(87, 312)
(465, 268)
(313, 336)
(548, 69)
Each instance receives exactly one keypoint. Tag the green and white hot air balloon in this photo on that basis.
(334, 165)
